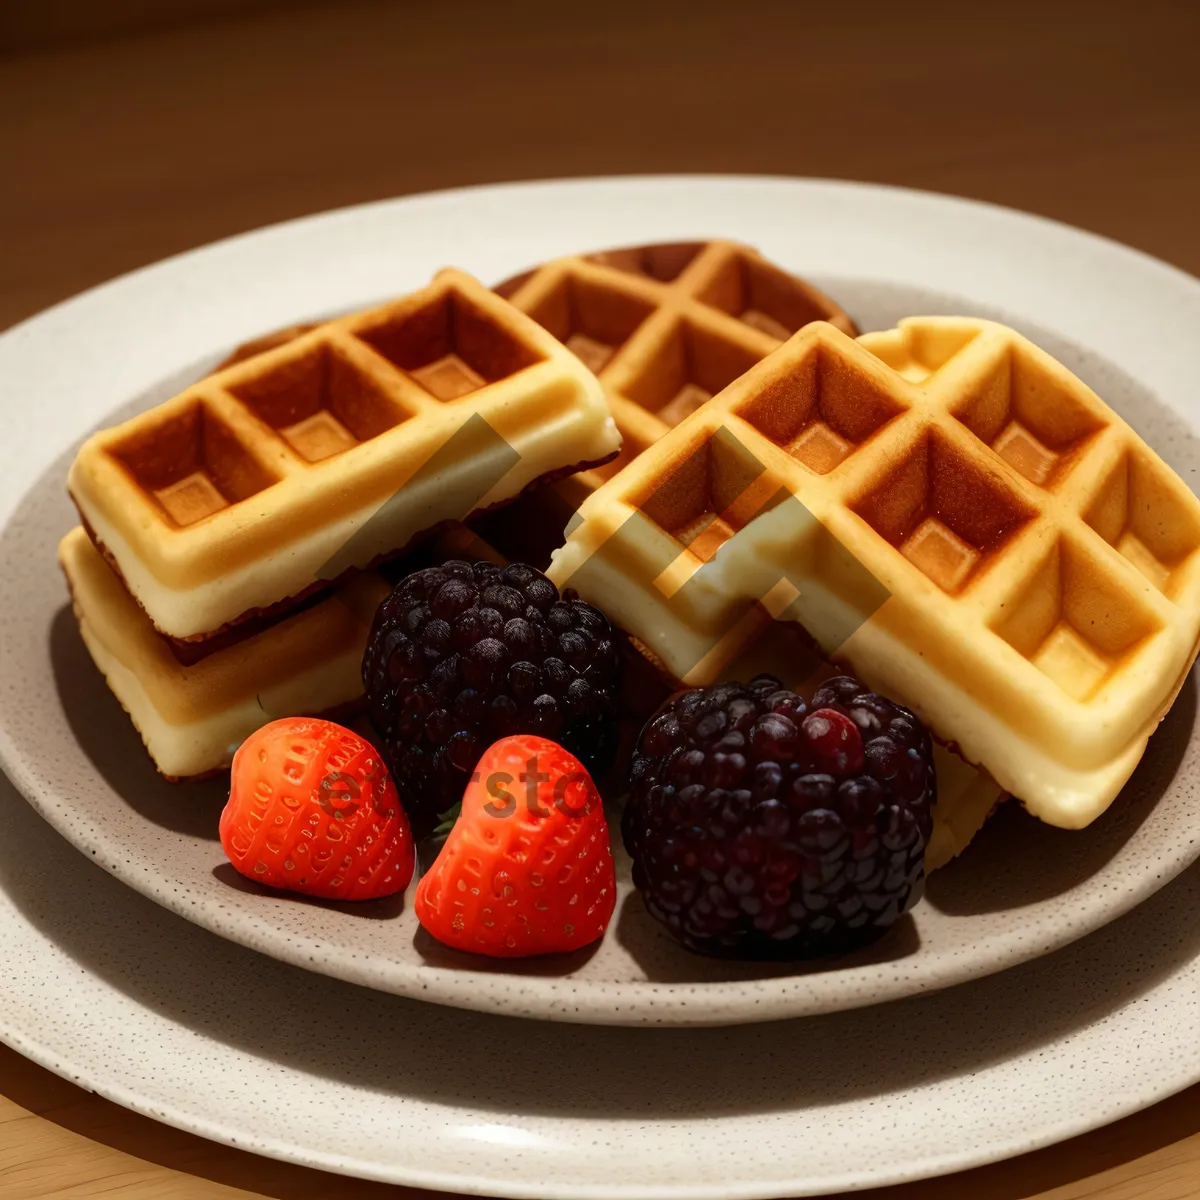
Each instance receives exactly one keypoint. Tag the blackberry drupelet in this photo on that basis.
(764, 827)
(466, 653)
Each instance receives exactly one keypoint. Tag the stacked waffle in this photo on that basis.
(666, 327)
(218, 577)
(946, 509)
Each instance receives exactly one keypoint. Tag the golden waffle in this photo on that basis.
(665, 327)
(281, 472)
(945, 508)
(193, 715)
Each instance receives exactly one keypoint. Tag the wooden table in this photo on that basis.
(119, 150)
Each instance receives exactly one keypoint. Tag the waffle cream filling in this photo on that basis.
(193, 717)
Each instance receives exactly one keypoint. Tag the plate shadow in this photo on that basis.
(107, 736)
(1017, 860)
(386, 908)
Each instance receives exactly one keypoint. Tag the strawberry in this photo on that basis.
(527, 868)
(313, 809)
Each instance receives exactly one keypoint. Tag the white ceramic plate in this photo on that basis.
(116, 993)
(1120, 320)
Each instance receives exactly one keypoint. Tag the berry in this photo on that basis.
(312, 809)
(527, 868)
(762, 827)
(834, 740)
(463, 654)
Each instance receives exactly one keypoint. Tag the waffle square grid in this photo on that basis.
(1039, 564)
(301, 446)
(666, 327)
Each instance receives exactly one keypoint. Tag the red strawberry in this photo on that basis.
(527, 868)
(313, 809)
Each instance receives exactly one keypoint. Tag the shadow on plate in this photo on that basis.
(1017, 860)
(664, 961)
(387, 908)
(241, 999)
(547, 966)
(107, 736)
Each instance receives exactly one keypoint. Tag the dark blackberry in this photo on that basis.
(764, 827)
(466, 653)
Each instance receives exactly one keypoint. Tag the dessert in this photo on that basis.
(665, 327)
(944, 508)
(464, 653)
(731, 288)
(272, 478)
(941, 507)
(194, 708)
(763, 827)
(527, 868)
(313, 810)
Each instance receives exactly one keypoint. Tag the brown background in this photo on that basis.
(133, 129)
(118, 150)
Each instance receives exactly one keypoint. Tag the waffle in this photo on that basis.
(945, 508)
(273, 477)
(665, 327)
(192, 715)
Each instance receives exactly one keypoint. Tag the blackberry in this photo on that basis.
(466, 653)
(763, 827)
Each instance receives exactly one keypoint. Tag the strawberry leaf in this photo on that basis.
(446, 822)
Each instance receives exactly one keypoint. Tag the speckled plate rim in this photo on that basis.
(140, 1047)
(91, 353)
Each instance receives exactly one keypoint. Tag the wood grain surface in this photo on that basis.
(118, 150)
